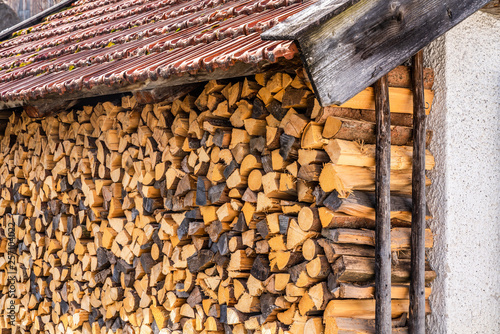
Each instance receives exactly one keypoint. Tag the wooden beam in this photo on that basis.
(367, 39)
(44, 108)
(417, 284)
(164, 94)
(314, 15)
(383, 323)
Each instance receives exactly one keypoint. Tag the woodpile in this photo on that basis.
(243, 208)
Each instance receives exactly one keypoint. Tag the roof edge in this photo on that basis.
(4, 34)
(294, 26)
(148, 89)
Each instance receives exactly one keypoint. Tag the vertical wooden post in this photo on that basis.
(417, 284)
(383, 322)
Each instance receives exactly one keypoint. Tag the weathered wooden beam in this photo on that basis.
(152, 94)
(164, 94)
(46, 108)
(365, 40)
(417, 284)
(313, 16)
(383, 323)
(5, 114)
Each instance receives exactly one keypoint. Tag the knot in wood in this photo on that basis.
(32, 111)
(397, 11)
(395, 5)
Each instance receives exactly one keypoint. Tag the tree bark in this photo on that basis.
(383, 323)
(417, 284)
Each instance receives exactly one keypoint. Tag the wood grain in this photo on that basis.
(361, 44)
(315, 15)
(417, 285)
(383, 209)
(197, 214)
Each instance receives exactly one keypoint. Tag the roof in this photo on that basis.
(100, 46)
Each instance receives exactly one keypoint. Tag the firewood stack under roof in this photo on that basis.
(241, 207)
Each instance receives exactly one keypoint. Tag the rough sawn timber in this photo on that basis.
(383, 323)
(417, 285)
(313, 16)
(366, 40)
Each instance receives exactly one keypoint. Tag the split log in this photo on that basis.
(194, 214)
(361, 269)
(362, 204)
(364, 308)
(364, 131)
(337, 325)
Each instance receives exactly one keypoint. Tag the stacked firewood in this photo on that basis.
(242, 208)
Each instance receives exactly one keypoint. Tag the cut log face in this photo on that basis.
(246, 208)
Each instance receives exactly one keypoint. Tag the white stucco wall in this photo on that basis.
(465, 196)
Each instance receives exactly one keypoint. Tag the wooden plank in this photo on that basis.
(417, 285)
(368, 39)
(355, 325)
(163, 94)
(401, 77)
(314, 15)
(383, 209)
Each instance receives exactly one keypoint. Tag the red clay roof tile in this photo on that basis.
(117, 43)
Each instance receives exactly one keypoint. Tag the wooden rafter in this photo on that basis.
(357, 42)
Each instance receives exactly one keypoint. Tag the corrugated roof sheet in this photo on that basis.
(121, 42)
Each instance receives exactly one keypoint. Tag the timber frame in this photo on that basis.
(365, 39)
